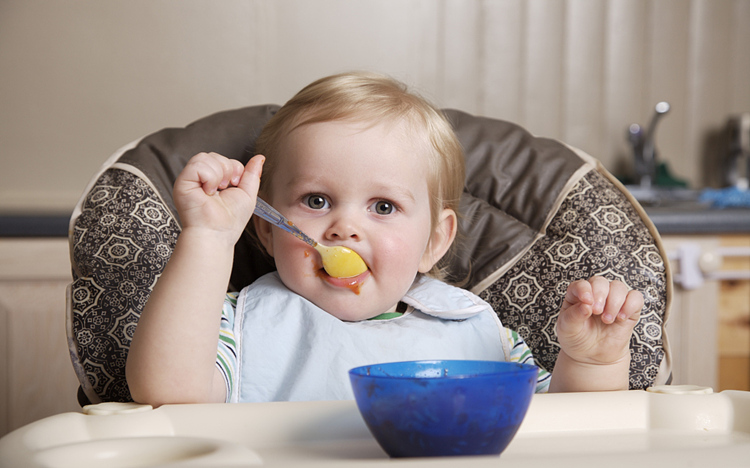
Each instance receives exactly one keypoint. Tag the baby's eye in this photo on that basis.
(317, 202)
(383, 207)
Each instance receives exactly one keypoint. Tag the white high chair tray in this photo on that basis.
(613, 429)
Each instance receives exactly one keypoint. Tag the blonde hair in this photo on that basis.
(370, 97)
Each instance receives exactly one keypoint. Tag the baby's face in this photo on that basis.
(360, 186)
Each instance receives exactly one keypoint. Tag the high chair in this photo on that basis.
(536, 215)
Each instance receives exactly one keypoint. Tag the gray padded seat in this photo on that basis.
(536, 215)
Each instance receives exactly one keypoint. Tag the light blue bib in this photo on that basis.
(289, 349)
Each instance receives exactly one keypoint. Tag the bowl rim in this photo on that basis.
(516, 367)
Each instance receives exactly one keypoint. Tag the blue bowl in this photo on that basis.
(439, 408)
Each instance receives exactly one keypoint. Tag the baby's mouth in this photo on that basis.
(353, 283)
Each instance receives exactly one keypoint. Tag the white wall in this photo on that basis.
(79, 78)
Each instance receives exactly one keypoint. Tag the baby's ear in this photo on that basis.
(441, 240)
(264, 231)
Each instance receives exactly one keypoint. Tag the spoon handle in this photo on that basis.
(269, 213)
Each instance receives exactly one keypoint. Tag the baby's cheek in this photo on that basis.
(313, 259)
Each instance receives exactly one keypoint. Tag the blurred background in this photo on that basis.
(80, 78)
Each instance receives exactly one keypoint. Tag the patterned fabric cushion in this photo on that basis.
(121, 243)
(595, 231)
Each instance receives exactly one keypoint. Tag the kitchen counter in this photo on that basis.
(697, 219)
(55, 225)
(684, 211)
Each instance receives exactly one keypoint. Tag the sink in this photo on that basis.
(672, 197)
(677, 210)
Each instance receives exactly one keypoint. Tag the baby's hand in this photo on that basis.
(217, 193)
(597, 319)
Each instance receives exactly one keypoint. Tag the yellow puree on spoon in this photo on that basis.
(341, 262)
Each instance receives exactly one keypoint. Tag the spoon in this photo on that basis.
(338, 261)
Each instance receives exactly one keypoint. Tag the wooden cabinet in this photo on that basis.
(36, 376)
(709, 325)
(734, 318)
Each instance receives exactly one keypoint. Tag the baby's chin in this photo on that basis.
(348, 299)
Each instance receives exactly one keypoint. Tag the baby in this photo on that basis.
(358, 161)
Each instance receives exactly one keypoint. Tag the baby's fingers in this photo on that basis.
(601, 289)
(224, 172)
(631, 309)
(249, 179)
(609, 299)
(235, 172)
(621, 303)
(578, 292)
(208, 172)
(244, 197)
(577, 307)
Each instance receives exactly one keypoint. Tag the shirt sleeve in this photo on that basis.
(226, 355)
(520, 352)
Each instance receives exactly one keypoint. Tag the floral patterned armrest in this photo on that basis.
(597, 230)
(120, 243)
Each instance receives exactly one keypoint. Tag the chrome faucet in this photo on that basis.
(737, 168)
(644, 150)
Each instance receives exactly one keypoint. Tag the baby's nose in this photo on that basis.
(342, 229)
